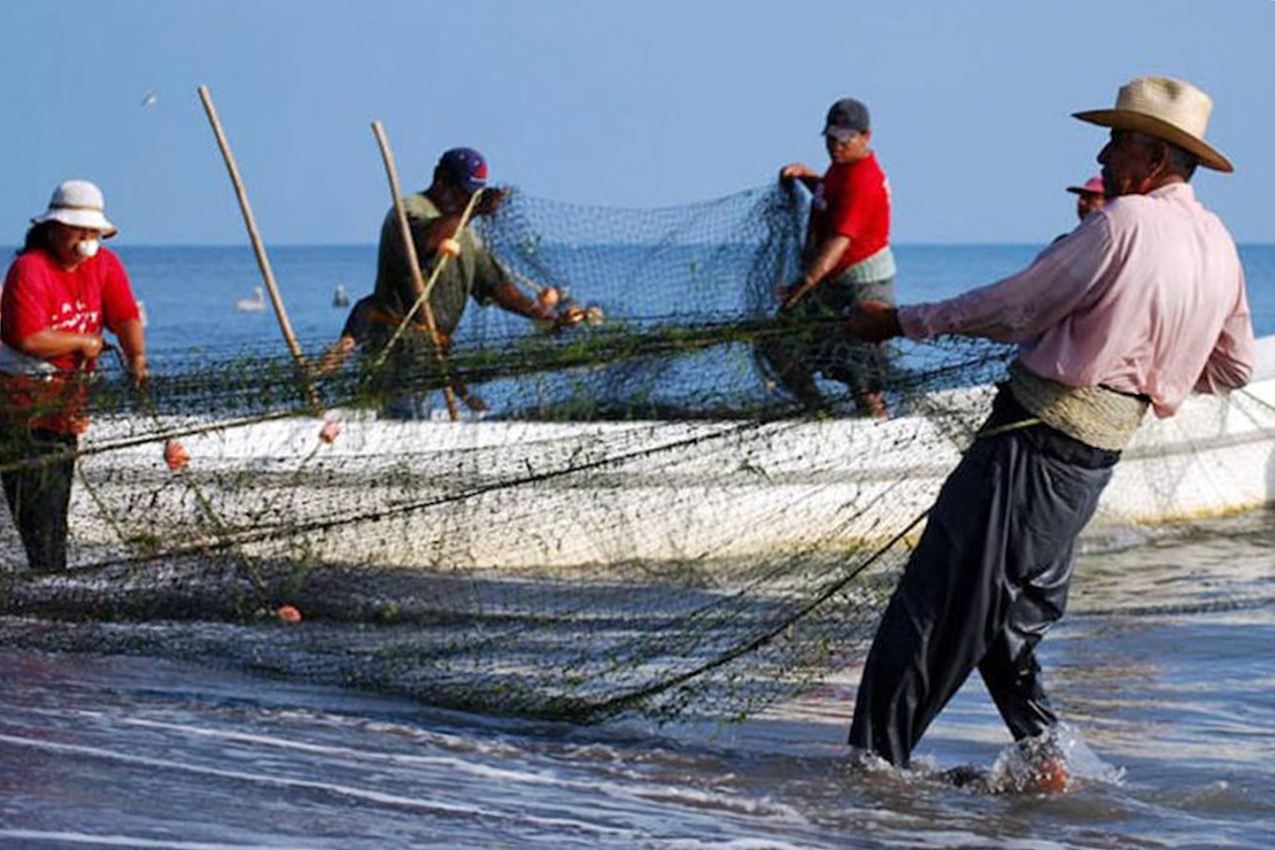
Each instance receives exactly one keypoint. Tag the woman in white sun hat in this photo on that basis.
(60, 292)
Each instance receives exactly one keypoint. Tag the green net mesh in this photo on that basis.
(643, 518)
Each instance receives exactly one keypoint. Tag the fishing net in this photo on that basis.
(639, 516)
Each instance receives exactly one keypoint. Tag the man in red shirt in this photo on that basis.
(846, 259)
(60, 292)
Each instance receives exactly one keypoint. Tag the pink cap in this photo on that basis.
(1093, 186)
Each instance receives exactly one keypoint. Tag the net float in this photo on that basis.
(549, 296)
(330, 430)
(288, 614)
(175, 455)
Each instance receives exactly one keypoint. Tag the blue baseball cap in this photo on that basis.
(465, 167)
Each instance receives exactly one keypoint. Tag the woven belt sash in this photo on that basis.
(1096, 416)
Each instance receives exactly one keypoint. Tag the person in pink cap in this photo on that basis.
(1089, 197)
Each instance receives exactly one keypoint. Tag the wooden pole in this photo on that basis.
(263, 262)
(413, 261)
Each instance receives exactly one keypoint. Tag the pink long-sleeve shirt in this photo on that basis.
(1146, 296)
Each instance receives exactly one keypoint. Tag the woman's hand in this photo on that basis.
(140, 371)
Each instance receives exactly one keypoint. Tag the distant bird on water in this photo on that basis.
(340, 298)
(255, 303)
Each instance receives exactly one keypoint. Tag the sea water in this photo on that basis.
(1162, 667)
(191, 294)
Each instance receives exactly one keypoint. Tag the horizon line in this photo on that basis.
(910, 244)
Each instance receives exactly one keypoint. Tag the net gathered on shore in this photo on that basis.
(637, 516)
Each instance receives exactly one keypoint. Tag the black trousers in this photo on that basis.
(988, 578)
(39, 491)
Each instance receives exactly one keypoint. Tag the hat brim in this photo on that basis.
(841, 134)
(88, 219)
(1123, 119)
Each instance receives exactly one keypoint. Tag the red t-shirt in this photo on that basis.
(853, 200)
(39, 294)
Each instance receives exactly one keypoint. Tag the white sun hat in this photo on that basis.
(1168, 109)
(78, 203)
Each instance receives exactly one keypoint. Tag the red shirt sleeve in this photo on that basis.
(25, 305)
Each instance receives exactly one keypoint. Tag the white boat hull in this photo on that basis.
(536, 496)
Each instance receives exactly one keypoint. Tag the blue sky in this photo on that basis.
(635, 104)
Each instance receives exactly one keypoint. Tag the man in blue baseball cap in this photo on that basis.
(470, 271)
(464, 167)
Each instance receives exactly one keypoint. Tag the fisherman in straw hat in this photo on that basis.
(60, 292)
(1138, 306)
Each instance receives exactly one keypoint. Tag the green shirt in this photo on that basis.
(474, 273)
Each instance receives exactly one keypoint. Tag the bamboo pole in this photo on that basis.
(414, 265)
(263, 262)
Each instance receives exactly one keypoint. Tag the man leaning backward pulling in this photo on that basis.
(1138, 306)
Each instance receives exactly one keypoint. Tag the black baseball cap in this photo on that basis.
(846, 117)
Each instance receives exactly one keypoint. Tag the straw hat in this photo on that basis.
(78, 203)
(1171, 110)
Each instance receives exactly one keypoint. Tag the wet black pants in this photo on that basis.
(39, 492)
(988, 578)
